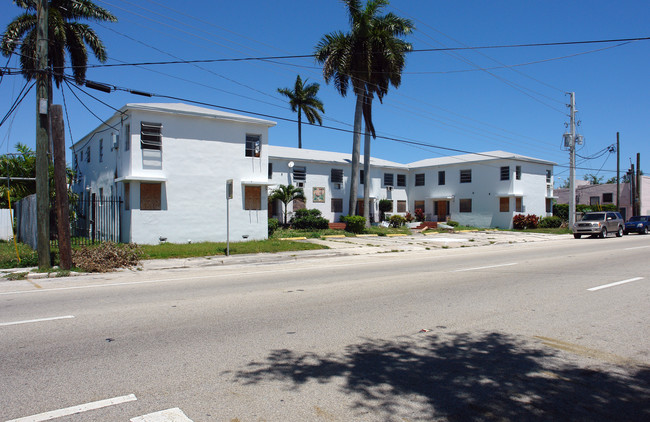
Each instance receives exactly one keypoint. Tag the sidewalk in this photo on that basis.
(337, 246)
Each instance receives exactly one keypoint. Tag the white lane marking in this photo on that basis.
(483, 268)
(76, 409)
(636, 247)
(169, 415)
(28, 321)
(604, 286)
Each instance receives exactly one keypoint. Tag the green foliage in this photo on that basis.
(593, 179)
(106, 257)
(286, 195)
(562, 210)
(354, 223)
(273, 225)
(453, 223)
(397, 220)
(303, 99)
(522, 222)
(309, 220)
(385, 205)
(552, 222)
(409, 218)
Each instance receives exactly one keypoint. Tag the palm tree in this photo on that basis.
(370, 57)
(286, 194)
(303, 99)
(65, 34)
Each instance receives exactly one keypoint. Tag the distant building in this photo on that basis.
(605, 193)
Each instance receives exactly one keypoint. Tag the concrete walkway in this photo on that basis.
(337, 246)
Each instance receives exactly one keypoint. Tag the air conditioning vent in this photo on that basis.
(301, 184)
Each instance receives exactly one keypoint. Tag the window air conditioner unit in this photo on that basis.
(301, 184)
(389, 188)
(337, 186)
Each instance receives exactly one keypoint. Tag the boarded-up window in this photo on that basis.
(298, 204)
(465, 205)
(127, 196)
(253, 198)
(401, 206)
(418, 205)
(519, 206)
(549, 205)
(150, 194)
(337, 205)
(504, 204)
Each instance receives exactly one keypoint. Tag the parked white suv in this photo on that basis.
(599, 224)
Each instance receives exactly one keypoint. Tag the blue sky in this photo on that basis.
(475, 101)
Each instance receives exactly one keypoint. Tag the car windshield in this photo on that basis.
(593, 217)
(637, 219)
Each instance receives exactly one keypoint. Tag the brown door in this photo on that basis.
(442, 210)
(360, 207)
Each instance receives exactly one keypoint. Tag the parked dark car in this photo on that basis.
(637, 224)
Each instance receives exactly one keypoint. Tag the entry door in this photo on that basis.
(360, 207)
(442, 210)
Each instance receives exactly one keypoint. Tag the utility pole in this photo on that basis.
(42, 139)
(618, 171)
(638, 184)
(572, 160)
(60, 187)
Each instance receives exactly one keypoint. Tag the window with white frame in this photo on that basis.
(466, 176)
(253, 145)
(337, 204)
(518, 172)
(336, 176)
(401, 180)
(441, 178)
(401, 206)
(519, 204)
(504, 204)
(388, 179)
(419, 179)
(252, 197)
(151, 135)
(549, 174)
(505, 173)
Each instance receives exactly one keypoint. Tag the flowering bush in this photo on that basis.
(419, 214)
(409, 218)
(521, 222)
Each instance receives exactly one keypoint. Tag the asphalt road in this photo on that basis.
(501, 332)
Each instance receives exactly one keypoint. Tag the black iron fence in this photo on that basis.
(95, 219)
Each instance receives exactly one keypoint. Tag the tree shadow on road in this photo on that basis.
(491, 376)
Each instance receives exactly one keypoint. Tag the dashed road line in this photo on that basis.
(28, 321)
(484, 268)
(169, 415)
(604, 286)
(76, 409)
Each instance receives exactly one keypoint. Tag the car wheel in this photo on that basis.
(603, 234)
(645, 230)
(619, 232)
(577, 236)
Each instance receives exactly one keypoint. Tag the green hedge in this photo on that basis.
(562, 210)
(354, 223)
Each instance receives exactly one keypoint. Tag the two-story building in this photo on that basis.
(171, 165)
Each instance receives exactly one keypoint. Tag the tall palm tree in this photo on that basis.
(65, 34)
(286, 194)
(370, 58)
(303, 99)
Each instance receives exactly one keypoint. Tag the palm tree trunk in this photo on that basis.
(299, 129)
(366, 177)
(356, 152)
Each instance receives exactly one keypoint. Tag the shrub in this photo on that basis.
(397, 220)
(550, 222)
(521, 222)
(354, 223)
(409, 218)
(453, 223)
(309, 220)
(273, 225)
(106, 257)
(419, 214)
(562, 210)
(385, 205)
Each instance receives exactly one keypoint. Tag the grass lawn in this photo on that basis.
(315, 234)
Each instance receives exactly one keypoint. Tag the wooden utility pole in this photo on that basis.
(60, 186)
(42, 139)
(638, 184)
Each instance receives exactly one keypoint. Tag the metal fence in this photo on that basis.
(95, 219)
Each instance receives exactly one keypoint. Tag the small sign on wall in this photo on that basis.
(319, 195)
